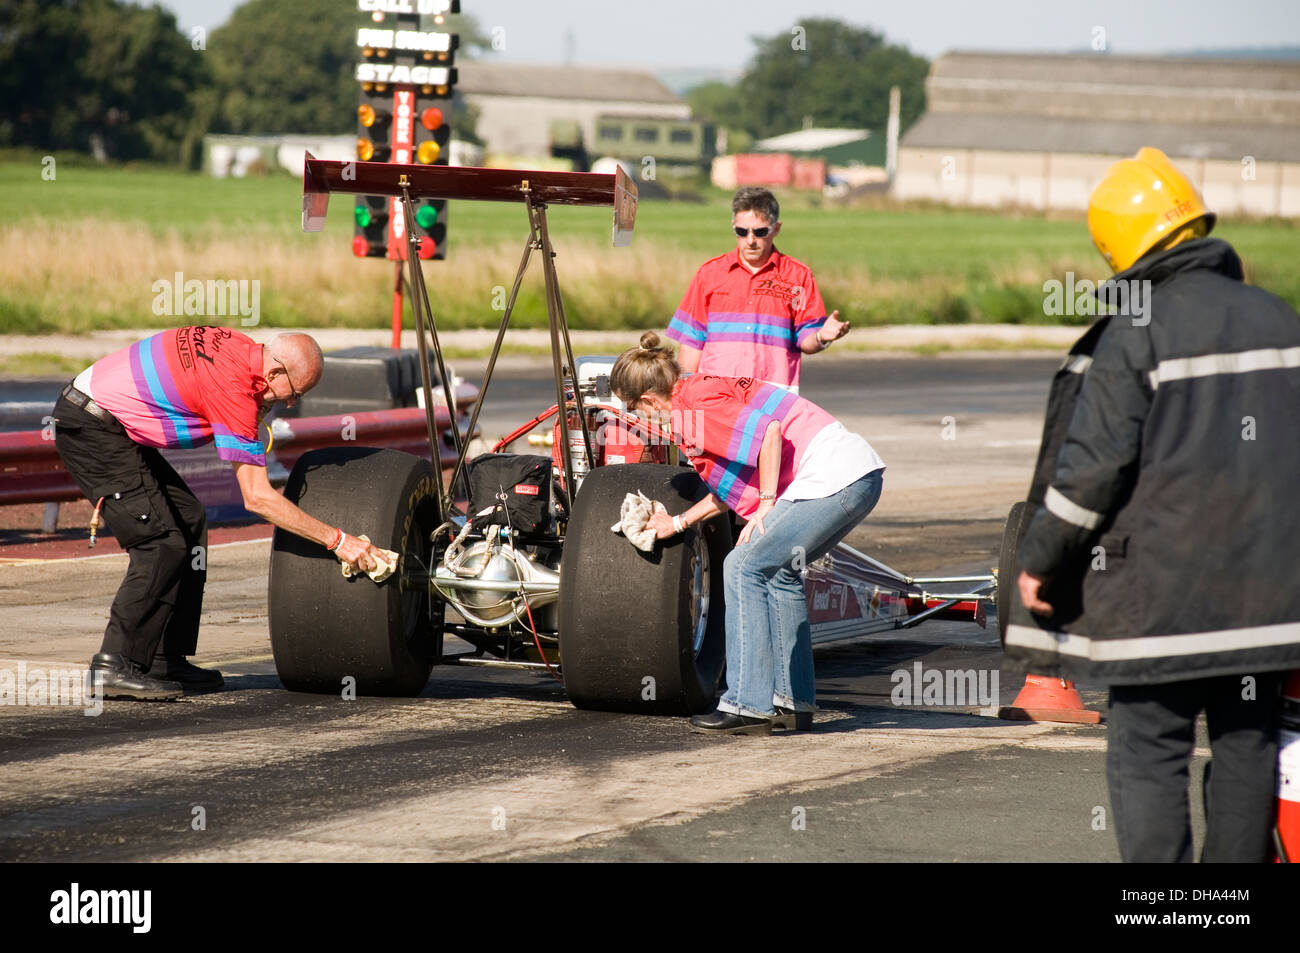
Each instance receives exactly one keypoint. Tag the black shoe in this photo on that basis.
(794, 720)
(725, 723)
(195, 680)
(127, 681)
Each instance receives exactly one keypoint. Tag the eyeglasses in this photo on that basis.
(293, 390)
(758, 232)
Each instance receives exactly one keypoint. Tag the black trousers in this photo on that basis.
(156, 519)
(1151, 736)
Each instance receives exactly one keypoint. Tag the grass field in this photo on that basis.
(82, 252)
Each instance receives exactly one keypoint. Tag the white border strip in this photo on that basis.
(1077, 363)
(1153, 646)
(1239, 362)
(1058, 505)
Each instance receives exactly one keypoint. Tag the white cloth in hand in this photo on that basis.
(634, 520)
(387, 565)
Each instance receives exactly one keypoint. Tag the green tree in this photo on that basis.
(287, 66)
(832, 73)
(99, 75)
(717, 102)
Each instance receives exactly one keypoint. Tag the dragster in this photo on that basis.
(518, 546)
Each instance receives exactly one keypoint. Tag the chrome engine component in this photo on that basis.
(486, 581)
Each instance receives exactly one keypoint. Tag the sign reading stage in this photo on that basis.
(390, 73)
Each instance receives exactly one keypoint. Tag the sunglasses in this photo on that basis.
(293, 390)
(758, 232)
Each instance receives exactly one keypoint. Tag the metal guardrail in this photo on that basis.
(31, 470)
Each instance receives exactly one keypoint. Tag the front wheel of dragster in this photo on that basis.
(326, 628)
(1008, 567)
(642, 632)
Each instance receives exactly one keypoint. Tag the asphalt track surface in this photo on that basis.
(491, 764)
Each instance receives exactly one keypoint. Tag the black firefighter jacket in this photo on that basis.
(1169, 519)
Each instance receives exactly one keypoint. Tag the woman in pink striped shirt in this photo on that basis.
(801, 480)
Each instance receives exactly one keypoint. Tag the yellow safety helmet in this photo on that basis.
(1141, 203)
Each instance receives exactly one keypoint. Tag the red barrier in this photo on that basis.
(402, 429)
(809, 174)
(32, 472)
(766, 168)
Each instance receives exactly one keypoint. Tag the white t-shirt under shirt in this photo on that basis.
(835, 457)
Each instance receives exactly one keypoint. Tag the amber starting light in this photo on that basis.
(428, 152)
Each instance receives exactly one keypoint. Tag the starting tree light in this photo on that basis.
(433, 140)
(406, 75)
(370, 236)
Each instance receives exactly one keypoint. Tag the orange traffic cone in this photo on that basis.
(1288, 773)
(1047, 698)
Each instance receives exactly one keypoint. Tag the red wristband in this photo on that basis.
(338, 541)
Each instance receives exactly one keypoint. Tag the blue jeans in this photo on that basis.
(769, 642)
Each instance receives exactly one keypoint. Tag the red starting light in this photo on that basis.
(427, 247)
(360, 245)
(431, 118)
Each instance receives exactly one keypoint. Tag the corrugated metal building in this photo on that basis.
(517, 104)
(1040, 130)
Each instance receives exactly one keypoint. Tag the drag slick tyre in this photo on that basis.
(325, 628)
(642, 632)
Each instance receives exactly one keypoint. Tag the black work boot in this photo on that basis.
(195, 680)
(792, 720)
(726, 723)
(124, 680)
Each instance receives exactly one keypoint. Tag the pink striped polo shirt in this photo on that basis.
(184, 388)
(750, 324)
(719, 423)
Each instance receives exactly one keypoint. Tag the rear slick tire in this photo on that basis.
(325, 628)
(642, 632)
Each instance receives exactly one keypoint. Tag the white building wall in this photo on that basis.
(1047, 180)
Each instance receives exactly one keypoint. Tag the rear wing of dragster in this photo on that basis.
(535, 190)
(320, 177)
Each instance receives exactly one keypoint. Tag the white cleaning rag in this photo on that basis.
(387, 565)
(634, 520)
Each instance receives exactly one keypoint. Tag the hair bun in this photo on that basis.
(649, 340)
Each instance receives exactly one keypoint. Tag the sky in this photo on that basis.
(710, 34)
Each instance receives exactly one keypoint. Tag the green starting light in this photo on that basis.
(362, 213)
(426, 216)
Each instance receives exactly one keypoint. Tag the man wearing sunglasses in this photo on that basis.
(180, 388)
(753, 312)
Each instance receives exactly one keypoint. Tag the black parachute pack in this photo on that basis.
(510, 489)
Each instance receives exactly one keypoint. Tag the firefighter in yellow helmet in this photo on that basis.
(1160, 557)
(1144, 204)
